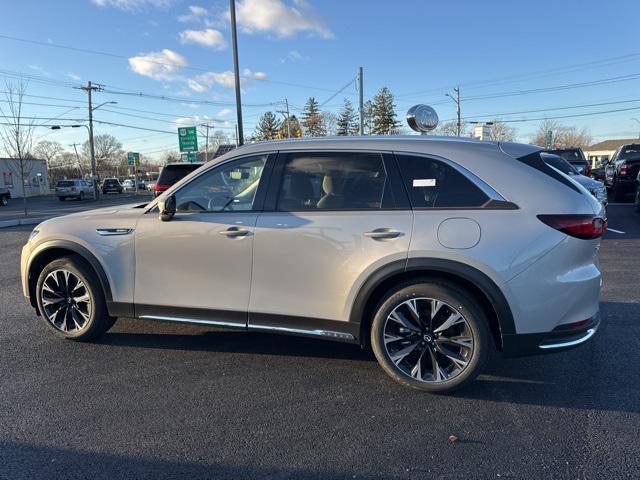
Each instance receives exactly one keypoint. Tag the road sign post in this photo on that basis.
(188, 139)
(133, 160)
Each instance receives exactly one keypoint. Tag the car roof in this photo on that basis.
(401, 143)
(174, 164)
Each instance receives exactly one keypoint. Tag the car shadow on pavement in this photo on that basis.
(43, 462)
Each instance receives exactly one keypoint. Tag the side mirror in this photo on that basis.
(167, 208)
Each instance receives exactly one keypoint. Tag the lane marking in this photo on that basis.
(615, 231)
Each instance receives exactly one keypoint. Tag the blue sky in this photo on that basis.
(295, 49)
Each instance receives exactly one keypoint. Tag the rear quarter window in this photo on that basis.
(434, 184)
(172, 173)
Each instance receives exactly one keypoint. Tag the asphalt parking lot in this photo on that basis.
(152, 400)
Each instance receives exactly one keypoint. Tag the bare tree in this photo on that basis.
(170, 157)
(450, 129)
(48, 151)
(563, 135)
(17, 134)
(108, 151)
(503, 132)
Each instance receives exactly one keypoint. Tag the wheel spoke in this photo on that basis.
(412, 306)
(399, 317)
(437, 372)
(454, 319)
(465, 342)
(390, 338)
(66, 301)
(456, 358)
(52, 301)
(416, 371)
(77, 321)
(398, 356)
(83, 298)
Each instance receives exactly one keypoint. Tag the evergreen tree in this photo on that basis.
(267, 128)
(347, 122)
(384, 115)
(312, 121)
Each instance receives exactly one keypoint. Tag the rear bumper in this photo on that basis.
(559, 339)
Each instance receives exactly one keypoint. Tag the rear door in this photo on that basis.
(332, 220)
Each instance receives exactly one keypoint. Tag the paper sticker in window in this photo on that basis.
(424, 182)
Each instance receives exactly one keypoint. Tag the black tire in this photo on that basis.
(81, 196)
(61, 199)
(3, 201)
(98, 320)
(452, 295)
(637, 201)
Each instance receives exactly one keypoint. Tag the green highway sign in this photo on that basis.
(188, 139)
(133, 158)
(188, 157)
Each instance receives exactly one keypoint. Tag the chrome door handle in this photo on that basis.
(383, 233)
(234, 232)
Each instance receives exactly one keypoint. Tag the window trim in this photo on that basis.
(277, 177)
(495, 201)
(258, 201)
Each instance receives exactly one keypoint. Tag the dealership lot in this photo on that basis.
(152, 400)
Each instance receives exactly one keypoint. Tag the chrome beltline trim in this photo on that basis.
(320, 333)
(571, 343)
(193, 320)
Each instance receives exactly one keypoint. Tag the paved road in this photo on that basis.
(50, 205)
(153, 400)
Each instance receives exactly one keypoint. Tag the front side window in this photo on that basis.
(434, 184)
(332, 181)
(229, 187)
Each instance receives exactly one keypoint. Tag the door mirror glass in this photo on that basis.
(167, 208)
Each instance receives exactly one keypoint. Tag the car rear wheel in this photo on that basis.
(71, 301)
(431, 336)
(3, 201)
(61, 199)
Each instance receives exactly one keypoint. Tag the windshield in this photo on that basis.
(559, 163)
(65, 183)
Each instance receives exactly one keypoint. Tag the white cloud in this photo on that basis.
(74, 76)
(133, 5)
(158, 65)
(198, 119)
(202, 83)
(284, 20)
(200, 15)
(208, 38)
(40, 70)
(224, 112)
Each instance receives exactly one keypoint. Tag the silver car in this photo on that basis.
(76, 188)
(594, 187)
(434, 251)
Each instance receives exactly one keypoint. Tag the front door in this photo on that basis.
(197, 267)
(333, 223)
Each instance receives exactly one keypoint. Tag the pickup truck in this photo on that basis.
(5, 195)
(622, 170)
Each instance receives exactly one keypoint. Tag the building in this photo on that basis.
(482, 131)
(36, 180)
(603, 151)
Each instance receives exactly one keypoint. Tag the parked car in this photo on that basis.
(575, 156)
(594, 187)
(130, 184)
(76, 188)
(5, 195)
(151, 186)
(172, 173)
(599, 171)
(637, 199)
(111, 185)
(622, 171)
(434, 251)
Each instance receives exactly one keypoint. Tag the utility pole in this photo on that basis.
(361, 101)
(206, 142)
(236, 70)
(90, 88)
(285, 113)
(74, 145)
(456, 99)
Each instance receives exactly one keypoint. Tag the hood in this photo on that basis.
(130, 208)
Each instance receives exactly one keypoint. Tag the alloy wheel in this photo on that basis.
(428, 340)
(66, 301)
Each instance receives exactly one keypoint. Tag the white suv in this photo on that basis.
(432, 250)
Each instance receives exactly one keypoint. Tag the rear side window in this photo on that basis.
(537, 160)
(65, 183)
(332, 181)
(434, 184)
(172, 173)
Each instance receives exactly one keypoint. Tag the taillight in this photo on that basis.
(587, 170)
(586, 227)
(623, 169)
(160, 188)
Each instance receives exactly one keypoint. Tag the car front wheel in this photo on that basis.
(431, 336)
(71, 301)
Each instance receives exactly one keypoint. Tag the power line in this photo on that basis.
(338, 92)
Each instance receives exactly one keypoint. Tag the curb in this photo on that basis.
(22, 221)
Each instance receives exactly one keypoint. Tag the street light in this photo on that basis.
(104, 103)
